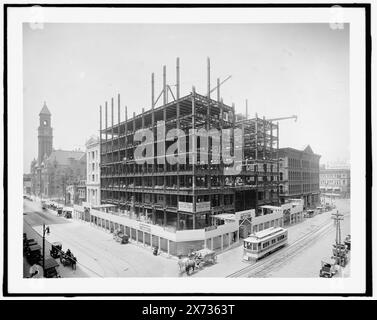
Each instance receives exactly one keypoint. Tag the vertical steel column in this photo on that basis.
(221, 165)
(126, 145)
(278, 161)
(178, 112)
(247, 107)
(264, 139)
(209, 156)
(164, 85)
(257, 162)
(112, 132)
(152, 90)
(118, 160)
(100, 149)
(233, 140)
(143, 165)
(164, 118)
(133, 200)
(194, 154)
(154, 133)
(106, 147)
(264, 157)
(165, 96)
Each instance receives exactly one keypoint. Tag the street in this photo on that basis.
(99, 255)
(309, 242)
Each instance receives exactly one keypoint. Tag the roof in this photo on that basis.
(45, 110)
(50, 263)
(305, 149)
(270, 207)
(265, 233)
(63, 157)
(93, 140)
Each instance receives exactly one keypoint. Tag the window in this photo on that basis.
(265, 244)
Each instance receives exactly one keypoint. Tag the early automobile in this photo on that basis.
(328, 270)
(28, 243)
(347, 242)
(56, 249)
(33, 254)
(50, 268)
(309, 214)
(67, 212)
(119, 236)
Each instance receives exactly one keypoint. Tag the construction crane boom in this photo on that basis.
(227, 78)
(284, 118)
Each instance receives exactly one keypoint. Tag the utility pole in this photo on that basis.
(337, 218)
(45, 230)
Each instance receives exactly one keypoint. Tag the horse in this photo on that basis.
(190, 264)
(182, 263)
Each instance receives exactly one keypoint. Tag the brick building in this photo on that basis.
(299, 176)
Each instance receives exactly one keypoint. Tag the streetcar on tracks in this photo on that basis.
(263, 243)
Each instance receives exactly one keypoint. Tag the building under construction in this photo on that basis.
(190, 194)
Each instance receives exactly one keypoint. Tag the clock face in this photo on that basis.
(45, 122)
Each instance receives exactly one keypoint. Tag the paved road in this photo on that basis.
(100, 256)
(298, 259)
(308, 262)
(97, 253)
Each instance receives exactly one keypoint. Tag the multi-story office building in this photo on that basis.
(335, 182)
(93, 171)
(299, 175)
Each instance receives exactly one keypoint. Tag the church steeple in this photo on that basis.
(45, 110)
(44, 134)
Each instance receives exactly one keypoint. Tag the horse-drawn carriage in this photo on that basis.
(68, 259)
(205, 256)
(196, 260)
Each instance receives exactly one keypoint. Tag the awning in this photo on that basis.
(224, 216)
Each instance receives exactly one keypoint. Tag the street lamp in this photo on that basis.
(45, 230)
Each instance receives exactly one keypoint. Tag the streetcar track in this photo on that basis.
(270, 262)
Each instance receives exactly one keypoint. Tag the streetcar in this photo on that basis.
(262, 243)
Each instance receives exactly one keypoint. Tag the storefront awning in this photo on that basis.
(224, 216)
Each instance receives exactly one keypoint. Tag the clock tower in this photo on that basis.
(44, 134)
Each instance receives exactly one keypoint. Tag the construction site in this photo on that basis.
(202, 193)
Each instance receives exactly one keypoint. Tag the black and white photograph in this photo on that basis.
(187, 150)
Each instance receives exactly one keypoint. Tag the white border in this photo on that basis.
(354, 284)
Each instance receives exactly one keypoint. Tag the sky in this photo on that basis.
(282, 69)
